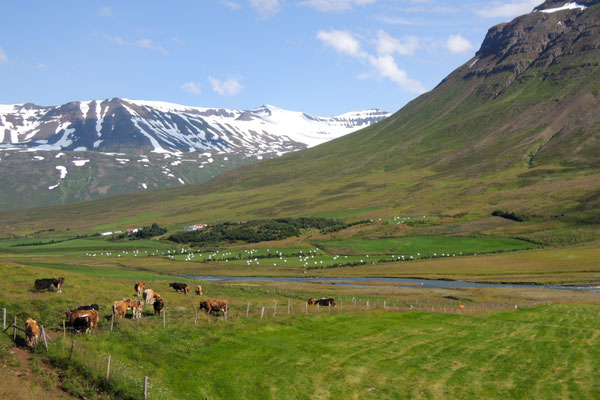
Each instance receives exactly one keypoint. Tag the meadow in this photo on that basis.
(546, 348)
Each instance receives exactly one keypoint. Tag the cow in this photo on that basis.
(92, 314)
(150, 296)
(32, 332)
(136, 308)
(461, 307)
(47, 283)
(322, 302)
(199, 290)
(158, 305)
(180, 287)
(139, 288)
(121, 307)
(214, 306)
(82, 324)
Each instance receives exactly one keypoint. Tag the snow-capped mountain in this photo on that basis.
(140, 127)
(91, 149)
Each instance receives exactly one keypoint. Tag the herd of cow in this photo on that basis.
(85, 318)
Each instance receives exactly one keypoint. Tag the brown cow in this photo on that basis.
(461, 307)
(92, 314)
(32, 332)
(214, 306)
(139, 288)
(120, 308)
(158, 305)
(312, 302)
(199, 290)
(150, 296)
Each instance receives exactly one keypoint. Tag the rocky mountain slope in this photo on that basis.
(515, 128)
(89, 149)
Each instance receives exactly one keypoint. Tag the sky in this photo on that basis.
(323, 57)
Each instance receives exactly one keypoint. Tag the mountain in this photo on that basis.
(515, 128)
(89, 149)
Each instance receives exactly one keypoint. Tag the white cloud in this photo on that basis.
(229, 87)
(458, 44)
(335, 5)
(386, 67)
(41, 66)
(387, 44)
(147, 44)
(343, 42)
(104, 12)
(266, 8)
(192, 87)
(383, 65)
(503, 9)
(231, 4)
(3, 56)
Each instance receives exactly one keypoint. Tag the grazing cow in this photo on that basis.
(139, 288)
(121, 307)
(150, 296)
(461, 307)
(180, 287)
(47, 283)
(322, 302)
(32, 332)
(214, 306)
(136, 308)
(158, 305)
(82, 324)
(92, 314)
(199, 290)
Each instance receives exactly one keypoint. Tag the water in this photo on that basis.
(424, 283)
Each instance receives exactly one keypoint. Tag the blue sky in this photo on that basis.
(323, 57)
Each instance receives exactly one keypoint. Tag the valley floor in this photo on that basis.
(378, 342)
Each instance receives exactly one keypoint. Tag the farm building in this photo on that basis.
(194, 227)
(131, 231)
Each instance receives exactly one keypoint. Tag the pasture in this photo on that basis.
(491, 350)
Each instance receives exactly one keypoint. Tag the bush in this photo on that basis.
(255, 231)
(509, 215)
(148, 232)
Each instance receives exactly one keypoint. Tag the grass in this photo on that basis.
(542, 352)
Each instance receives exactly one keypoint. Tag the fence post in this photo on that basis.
(64, 329)
(226, 313)
(145, 387)
(15, 329)
(71, 352)
(44, 337)
(247, 310)
(341, 304)
(164, 319)
(288, 306)
(4, 318)
(329, 305)
(275, 308)
(317, 307)
(306, 306)
(196, 318)
(262, 312)
(384, 305)
(367, 304)
(112, 321)
(108, 368)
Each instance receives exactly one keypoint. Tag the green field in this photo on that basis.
(430, 246)
(538, 352)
